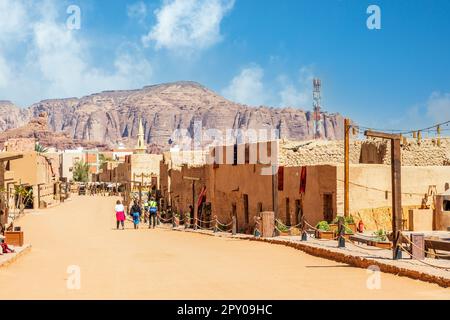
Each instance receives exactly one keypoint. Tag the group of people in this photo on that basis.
(150, 212)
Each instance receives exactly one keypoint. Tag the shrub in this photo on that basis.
(323, 226)
(380, 235)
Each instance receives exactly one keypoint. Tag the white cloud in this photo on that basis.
(188, 24)
(5, 72)
(57, 62)
(292, 97)
(137, 11)
(438, 106)
(12, 16)
(297, 93)
(250, 87)
(247, 87)
(435, 110)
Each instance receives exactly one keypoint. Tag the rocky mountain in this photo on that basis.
(111, 117)
(38, 130)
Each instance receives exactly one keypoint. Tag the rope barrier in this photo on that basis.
(204, 221)
(224, 230)
(204, 228)
(164, 219)
(425, 251)
(404, 131)
(311, 226)
(421, 261)
(285, 225)
(222, 224)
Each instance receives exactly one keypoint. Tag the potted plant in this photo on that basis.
(348, 232)
(381, 240)
(324, 231)
(283, 230)
(334, 225)
(350, 223)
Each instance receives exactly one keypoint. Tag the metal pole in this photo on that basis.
(346, 166)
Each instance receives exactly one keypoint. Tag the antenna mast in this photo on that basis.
(317, 84)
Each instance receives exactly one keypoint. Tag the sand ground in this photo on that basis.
(165, 264)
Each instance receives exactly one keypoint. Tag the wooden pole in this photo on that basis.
(140, 193)
(396, 195)
(396, 182)
(275, 190)
(193, 205)
(346, 166)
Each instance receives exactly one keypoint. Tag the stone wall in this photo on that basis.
(376, 151)
(20, 145)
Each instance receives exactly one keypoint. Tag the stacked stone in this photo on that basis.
(427, 152)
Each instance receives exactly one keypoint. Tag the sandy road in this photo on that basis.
(164, 264)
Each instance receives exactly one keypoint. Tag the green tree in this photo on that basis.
(81, 172)
(102, 159)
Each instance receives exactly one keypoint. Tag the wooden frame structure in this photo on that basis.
(396, 172)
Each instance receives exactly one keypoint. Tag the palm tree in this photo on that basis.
(81, 172)
(39, 148)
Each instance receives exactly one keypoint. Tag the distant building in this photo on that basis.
(69, 158)
(118, 154)
(309, 181)
(36, 172)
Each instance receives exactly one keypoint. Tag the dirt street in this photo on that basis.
(163, 264)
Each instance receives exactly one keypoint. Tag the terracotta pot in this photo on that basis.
(333, 227)
(352, 226)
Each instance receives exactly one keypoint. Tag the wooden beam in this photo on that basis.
(191, 178)
(193, 205)
(8, 158)
(346, 166)
(382, 135)
(396, 169)
(275, 190)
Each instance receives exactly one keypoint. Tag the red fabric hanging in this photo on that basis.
(303, 179)
(280, 178)
(200, 197)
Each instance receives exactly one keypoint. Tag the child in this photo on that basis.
(120, 214)
(136, 214)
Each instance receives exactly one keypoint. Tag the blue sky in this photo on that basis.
(257, 52)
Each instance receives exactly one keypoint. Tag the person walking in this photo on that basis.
(146, 210)
(135, 212)
(120, 214)
(153, 210)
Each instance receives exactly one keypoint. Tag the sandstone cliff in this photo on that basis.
(112, 116)
(37, 130)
